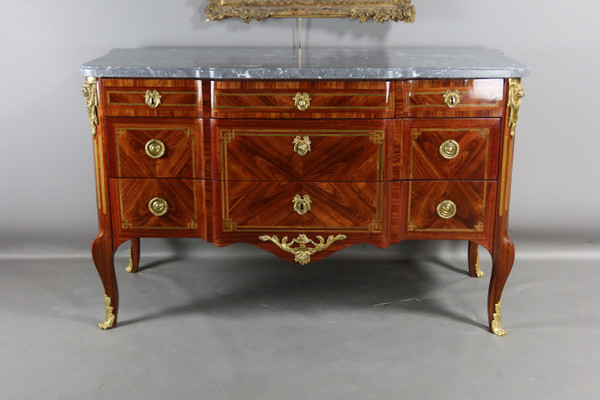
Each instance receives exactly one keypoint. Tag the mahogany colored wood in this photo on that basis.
(374, 172)
(478, 141)
(474, 218)
(425, 98)
(135, 255)
(473, 257)
(127, 97)
(132, 217)
(182, 138)
(263, 150)
(328, 99)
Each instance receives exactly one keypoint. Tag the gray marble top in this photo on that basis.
(284, 63)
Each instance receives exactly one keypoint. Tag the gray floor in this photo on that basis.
(361, 324)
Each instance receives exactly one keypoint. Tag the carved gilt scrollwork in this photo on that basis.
(90, 93)
(515, 94)
(363, 10)
(109, 319)
(302, 253)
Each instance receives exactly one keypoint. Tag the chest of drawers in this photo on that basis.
(302, 165)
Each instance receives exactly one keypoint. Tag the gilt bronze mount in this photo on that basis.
(363, 10)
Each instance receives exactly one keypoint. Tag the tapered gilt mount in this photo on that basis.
(496, 329)
(515, 94)
(363, 10)
(109, 320)
(302, 253)
(90, 92)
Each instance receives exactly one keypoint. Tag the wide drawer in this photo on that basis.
(451, 98)
(451, 149)
(304, 151)
(302, 99)
(453, 207)
(152, 148)
(152, 97)
(264, 207)
(153, 207)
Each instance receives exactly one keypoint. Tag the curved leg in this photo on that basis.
(503, 258)
(474, 270)
(134, 256)
(103, 256)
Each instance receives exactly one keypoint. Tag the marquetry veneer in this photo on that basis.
(325, 163)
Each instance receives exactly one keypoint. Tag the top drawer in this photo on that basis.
(151, 97)
(302, 99)
(451, 98)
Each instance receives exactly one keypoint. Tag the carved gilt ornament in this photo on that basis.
(363, 10)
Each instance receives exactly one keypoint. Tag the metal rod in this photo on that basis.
(299, 42)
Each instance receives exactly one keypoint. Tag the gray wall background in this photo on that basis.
(47, 200)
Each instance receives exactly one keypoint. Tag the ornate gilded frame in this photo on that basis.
(363, 10)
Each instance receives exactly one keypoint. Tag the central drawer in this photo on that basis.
(302, 99)
(302, 151)
(300, 207)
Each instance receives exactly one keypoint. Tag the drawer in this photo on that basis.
(151, 97)
(264, 207)
(451, 149)
(453, 207)
(304, 151)
(451, 98)
(153, 207)
(302, 99)
(152, 148)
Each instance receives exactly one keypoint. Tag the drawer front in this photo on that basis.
(151, 148)
(451, 149)
(300, 151)
(153, 207)
(302, 99)
(451, 98)
(152, 97)
(455, 207)
(300, 207)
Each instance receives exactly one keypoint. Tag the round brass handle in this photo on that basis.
(153, 98)
(158, 206)
(449, 149)
(155, 148)
(452, 98)
(446, 209)
(302, 101)
(302, 145)
(301, 204)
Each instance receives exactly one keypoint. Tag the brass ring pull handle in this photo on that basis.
(302, 101)
(158, 206)
(452, 98)
(449, 149)
(302, 145)
(301, 204)
(153, 98)
(446, 209)
(155, 148)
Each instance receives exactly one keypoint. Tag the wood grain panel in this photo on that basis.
(260, 206)
(132, 217)
(425, 98)
(474, 217)
(478, 141)
(182, 138)
(274, 99)
(126, 97)
(264, 150)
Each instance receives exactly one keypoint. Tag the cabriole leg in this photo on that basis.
(503, 258)
(134, 256)
(474, 269)
(103, 256)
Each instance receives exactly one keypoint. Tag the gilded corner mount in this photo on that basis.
(363, 10)
(90, 92)
(515, 94)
